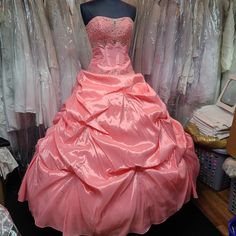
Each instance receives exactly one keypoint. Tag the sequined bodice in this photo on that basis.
(110, 40)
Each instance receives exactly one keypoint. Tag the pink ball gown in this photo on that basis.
(114, 161)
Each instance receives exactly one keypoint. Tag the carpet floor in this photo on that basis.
(189, 221)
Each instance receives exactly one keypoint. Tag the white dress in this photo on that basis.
(150, 32)
(50, 49)
(227, 50)
(81, 37)
(45, 90)
(203, 88)
(9, 118)
(159, 57)
(67, 51)
(170, 34)
(24, 74)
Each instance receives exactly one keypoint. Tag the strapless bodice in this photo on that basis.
(110, 40)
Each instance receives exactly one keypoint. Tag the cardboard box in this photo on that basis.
(231, 143)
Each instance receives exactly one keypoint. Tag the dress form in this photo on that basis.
(107, 8)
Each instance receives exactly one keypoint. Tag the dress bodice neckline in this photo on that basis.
(108, 18)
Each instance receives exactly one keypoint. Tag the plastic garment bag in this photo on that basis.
(203, 88)
(46, 89)
(24, 73)
(58, 12)
(227, 51)
(170, 35)
(80, 34)
(7, 73)
(150, 32)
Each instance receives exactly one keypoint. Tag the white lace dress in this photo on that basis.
(7, 227)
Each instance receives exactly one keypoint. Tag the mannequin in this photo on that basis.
(107, 8)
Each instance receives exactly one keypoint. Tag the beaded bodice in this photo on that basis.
(110, 40)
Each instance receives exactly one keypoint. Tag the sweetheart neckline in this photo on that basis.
(110, 18)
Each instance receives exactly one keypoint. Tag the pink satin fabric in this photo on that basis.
(114, 161)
